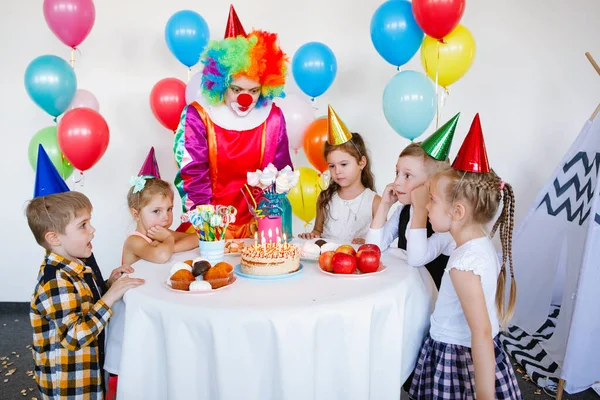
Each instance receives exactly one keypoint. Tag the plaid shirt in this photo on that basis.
(67, 324)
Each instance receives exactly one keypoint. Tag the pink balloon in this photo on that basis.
(298, 114)
(84, 99)
(70, 20)
(193, 90)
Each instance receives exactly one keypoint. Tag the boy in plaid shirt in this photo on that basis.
(69, 309)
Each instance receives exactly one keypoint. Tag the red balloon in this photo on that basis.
(315, 137)
(167, 101)
(83, 137)
(438, 18)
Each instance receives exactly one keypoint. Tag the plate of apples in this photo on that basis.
(346, 262)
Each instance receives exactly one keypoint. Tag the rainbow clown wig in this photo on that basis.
(256, 56)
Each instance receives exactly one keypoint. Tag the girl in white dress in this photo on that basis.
(346, 208)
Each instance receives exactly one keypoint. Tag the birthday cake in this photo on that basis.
(270, 259)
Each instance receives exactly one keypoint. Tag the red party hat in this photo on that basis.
(472, 156)
(150, 167)
(234, 26)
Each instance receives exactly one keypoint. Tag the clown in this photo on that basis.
(235, 127)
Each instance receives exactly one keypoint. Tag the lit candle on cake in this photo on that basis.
(255, 239)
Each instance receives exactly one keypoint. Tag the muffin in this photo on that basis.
(219, 275)
(181, 279)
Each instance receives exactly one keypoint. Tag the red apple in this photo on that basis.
(373, 247)
(325, 261)
(346, 248)
(367, 260)
(343, 263)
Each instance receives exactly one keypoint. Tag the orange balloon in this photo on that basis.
(315, 137)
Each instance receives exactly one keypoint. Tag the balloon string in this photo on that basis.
(73, 57)
(437, 87)
(189, 72)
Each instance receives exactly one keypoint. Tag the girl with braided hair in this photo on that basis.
(462, 356)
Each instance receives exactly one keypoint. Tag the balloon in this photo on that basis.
(456, 56)
(186, 35)
(51, 84)
(409, 103)
(47, 138)
(395, 33)
(315, 137)
(303, 196)
(438, 18)
(167, 100)
(298, 114)
(314, 68)
(83, 136)
(84, 98)
(193, 91)
(70, 20)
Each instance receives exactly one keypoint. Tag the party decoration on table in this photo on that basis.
(303, 196)
(70, 20)
(395, 33)
(447, 62)
(347, 261)
(314, 67)
(438, 144)
(167, 101)
(84, 99)
(210, 221)
(438, 18)
(83, 136)
(409, 103)
(472, 156)
(299, 114)
(47, 179)
(315, 137)
(187, 34)
(51, 84)
(266, 195)
(47, 138)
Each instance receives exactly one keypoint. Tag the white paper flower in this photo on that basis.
(267, 178)
(271, 168)
(283, 183)
(254, 178)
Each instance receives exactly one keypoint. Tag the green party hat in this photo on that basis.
(438, 144)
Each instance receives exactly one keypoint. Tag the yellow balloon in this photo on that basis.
(455, 56)
(303, 196)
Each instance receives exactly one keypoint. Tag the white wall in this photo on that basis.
(530, 81)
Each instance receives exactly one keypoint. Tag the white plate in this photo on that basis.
(356, 274)
(168, 285)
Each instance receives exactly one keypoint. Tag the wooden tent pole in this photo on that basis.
(561, 388)
(597, 68)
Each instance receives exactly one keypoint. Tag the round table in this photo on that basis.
(308, 336)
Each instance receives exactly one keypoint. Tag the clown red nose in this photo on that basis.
(244, 100)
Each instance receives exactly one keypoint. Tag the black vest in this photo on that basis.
(436, 267)
(96, 282)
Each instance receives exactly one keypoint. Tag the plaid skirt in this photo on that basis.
(445, 371)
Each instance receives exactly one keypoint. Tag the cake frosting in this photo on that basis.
(270, 259)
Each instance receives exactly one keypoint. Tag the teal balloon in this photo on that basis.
(47, 138)
(409, 103)
(51, 84)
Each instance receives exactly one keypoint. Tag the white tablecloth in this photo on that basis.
(310, 336)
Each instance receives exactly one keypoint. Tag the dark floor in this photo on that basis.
(16, 373)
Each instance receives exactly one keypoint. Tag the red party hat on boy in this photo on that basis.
(472, 156)
(150, 167)
(234, 26)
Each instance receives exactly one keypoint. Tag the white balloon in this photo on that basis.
(84, 99)
(298, 113)
(192, 90)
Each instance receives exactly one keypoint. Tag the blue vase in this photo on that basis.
(278, 204)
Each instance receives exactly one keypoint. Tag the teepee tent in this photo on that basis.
(556, 252)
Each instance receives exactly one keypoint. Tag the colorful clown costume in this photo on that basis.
(214, 146)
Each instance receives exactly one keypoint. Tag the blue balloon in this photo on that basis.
(314, 68)
(51, 83)
(186, 35)
(395, 33)
(409, 103)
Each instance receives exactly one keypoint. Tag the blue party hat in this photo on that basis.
(47, 179)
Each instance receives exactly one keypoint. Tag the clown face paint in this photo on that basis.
(242, 95)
